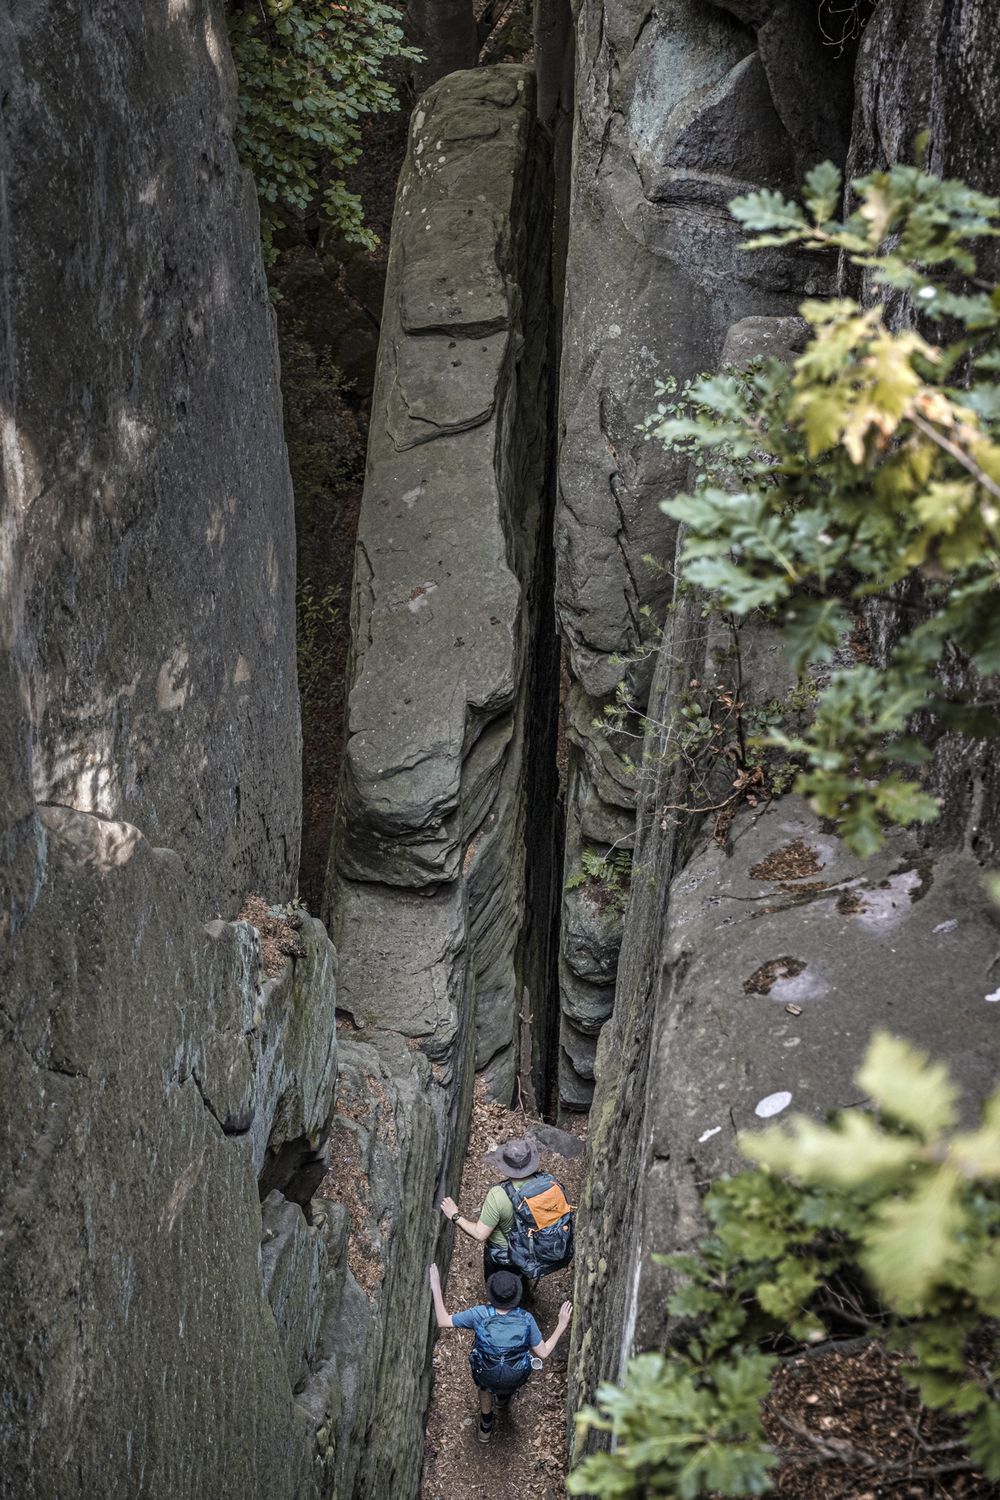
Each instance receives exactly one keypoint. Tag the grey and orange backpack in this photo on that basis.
(542, 1238)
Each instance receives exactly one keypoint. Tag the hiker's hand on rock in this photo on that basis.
(565, 1313)
(435, 1275)
(448, 1207)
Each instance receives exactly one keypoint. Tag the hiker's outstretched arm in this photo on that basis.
(440, 1311)
(476, 1231)
(545, 1348)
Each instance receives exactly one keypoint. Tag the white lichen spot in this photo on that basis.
(614, 331)
(773, 1104)
(992, 999)
(707, 1135)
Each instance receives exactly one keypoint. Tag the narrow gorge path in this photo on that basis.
(526, 1459)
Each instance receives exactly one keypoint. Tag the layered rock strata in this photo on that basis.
(444, 796)
(678, 110)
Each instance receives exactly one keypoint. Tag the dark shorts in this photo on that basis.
(495, 1259)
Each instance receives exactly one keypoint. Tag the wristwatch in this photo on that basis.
(456, 1216)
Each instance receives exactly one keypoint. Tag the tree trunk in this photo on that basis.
(445, 32)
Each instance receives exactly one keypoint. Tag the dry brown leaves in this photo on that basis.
(346, 1180)
(876, 1441)
(762, 980)
(278, 935)
(526, 1459)
(792, 862)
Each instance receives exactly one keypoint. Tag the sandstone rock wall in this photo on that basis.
(165, 1333)
(700, 1032)
(149, 533)
(678, 109)
(146, 1076)
(442, 800)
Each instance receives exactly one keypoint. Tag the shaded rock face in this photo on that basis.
(678, 109)
(694, 647)
(446, 33)
(149, 533)
(445, 793)
(146, 1076)
(165, 1333)
(716, 941)
(381, 1362)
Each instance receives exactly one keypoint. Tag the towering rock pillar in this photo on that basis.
(444, 803)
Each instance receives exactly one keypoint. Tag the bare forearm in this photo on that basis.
(440, 1311)
(471, 1228)
(476, 1231)
(545, 1348)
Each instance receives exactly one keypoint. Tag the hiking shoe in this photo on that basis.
(485, 1426)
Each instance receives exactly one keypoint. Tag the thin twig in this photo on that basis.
(958, 454)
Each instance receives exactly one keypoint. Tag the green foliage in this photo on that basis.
(309, 70)
(681, 1429)
(890, 1221)
(609, 875)
(317, 613)
(858, 470)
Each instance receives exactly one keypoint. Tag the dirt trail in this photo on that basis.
(526, 1459)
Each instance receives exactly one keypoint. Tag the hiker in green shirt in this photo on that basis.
(516, 1162)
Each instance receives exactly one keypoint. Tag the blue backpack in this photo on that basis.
(501, 1355)
(542, 1238)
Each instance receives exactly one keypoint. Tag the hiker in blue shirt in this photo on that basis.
(508, 1343)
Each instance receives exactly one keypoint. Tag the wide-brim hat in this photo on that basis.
(518, 1158)
(504, 1289)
